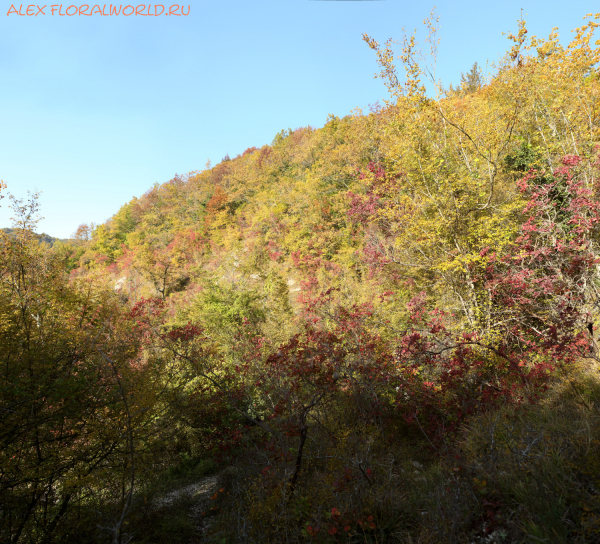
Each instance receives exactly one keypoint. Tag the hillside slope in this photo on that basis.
(382, 330)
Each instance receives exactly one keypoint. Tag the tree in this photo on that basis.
(76, 395)
(473, 80)
(83, 233)
(166, 260)
(454, 157)
(26, 214)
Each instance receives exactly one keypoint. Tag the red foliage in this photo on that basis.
(147, 307)
(185, 333)
(217, 202)
(265, 154)
(440, 377)
(363, 207)
(540, 282)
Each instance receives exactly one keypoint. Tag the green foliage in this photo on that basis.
(523, 159)
(106, 242)
(226, 309)
(124, 221)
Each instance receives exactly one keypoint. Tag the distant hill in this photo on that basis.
(50, 240)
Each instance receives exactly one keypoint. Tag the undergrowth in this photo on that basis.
(528, 473)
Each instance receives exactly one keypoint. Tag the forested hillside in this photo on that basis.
(42, 238)
(382, 330)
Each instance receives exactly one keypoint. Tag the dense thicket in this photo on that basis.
(384, 329)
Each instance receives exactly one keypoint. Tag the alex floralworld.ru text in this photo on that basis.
(152, 10)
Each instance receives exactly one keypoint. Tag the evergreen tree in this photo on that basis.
(473, 80)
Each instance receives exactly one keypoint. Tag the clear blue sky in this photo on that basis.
(95, 110)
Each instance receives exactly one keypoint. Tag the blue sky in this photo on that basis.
(95, 110)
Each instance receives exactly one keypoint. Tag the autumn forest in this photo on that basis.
(384, 330)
